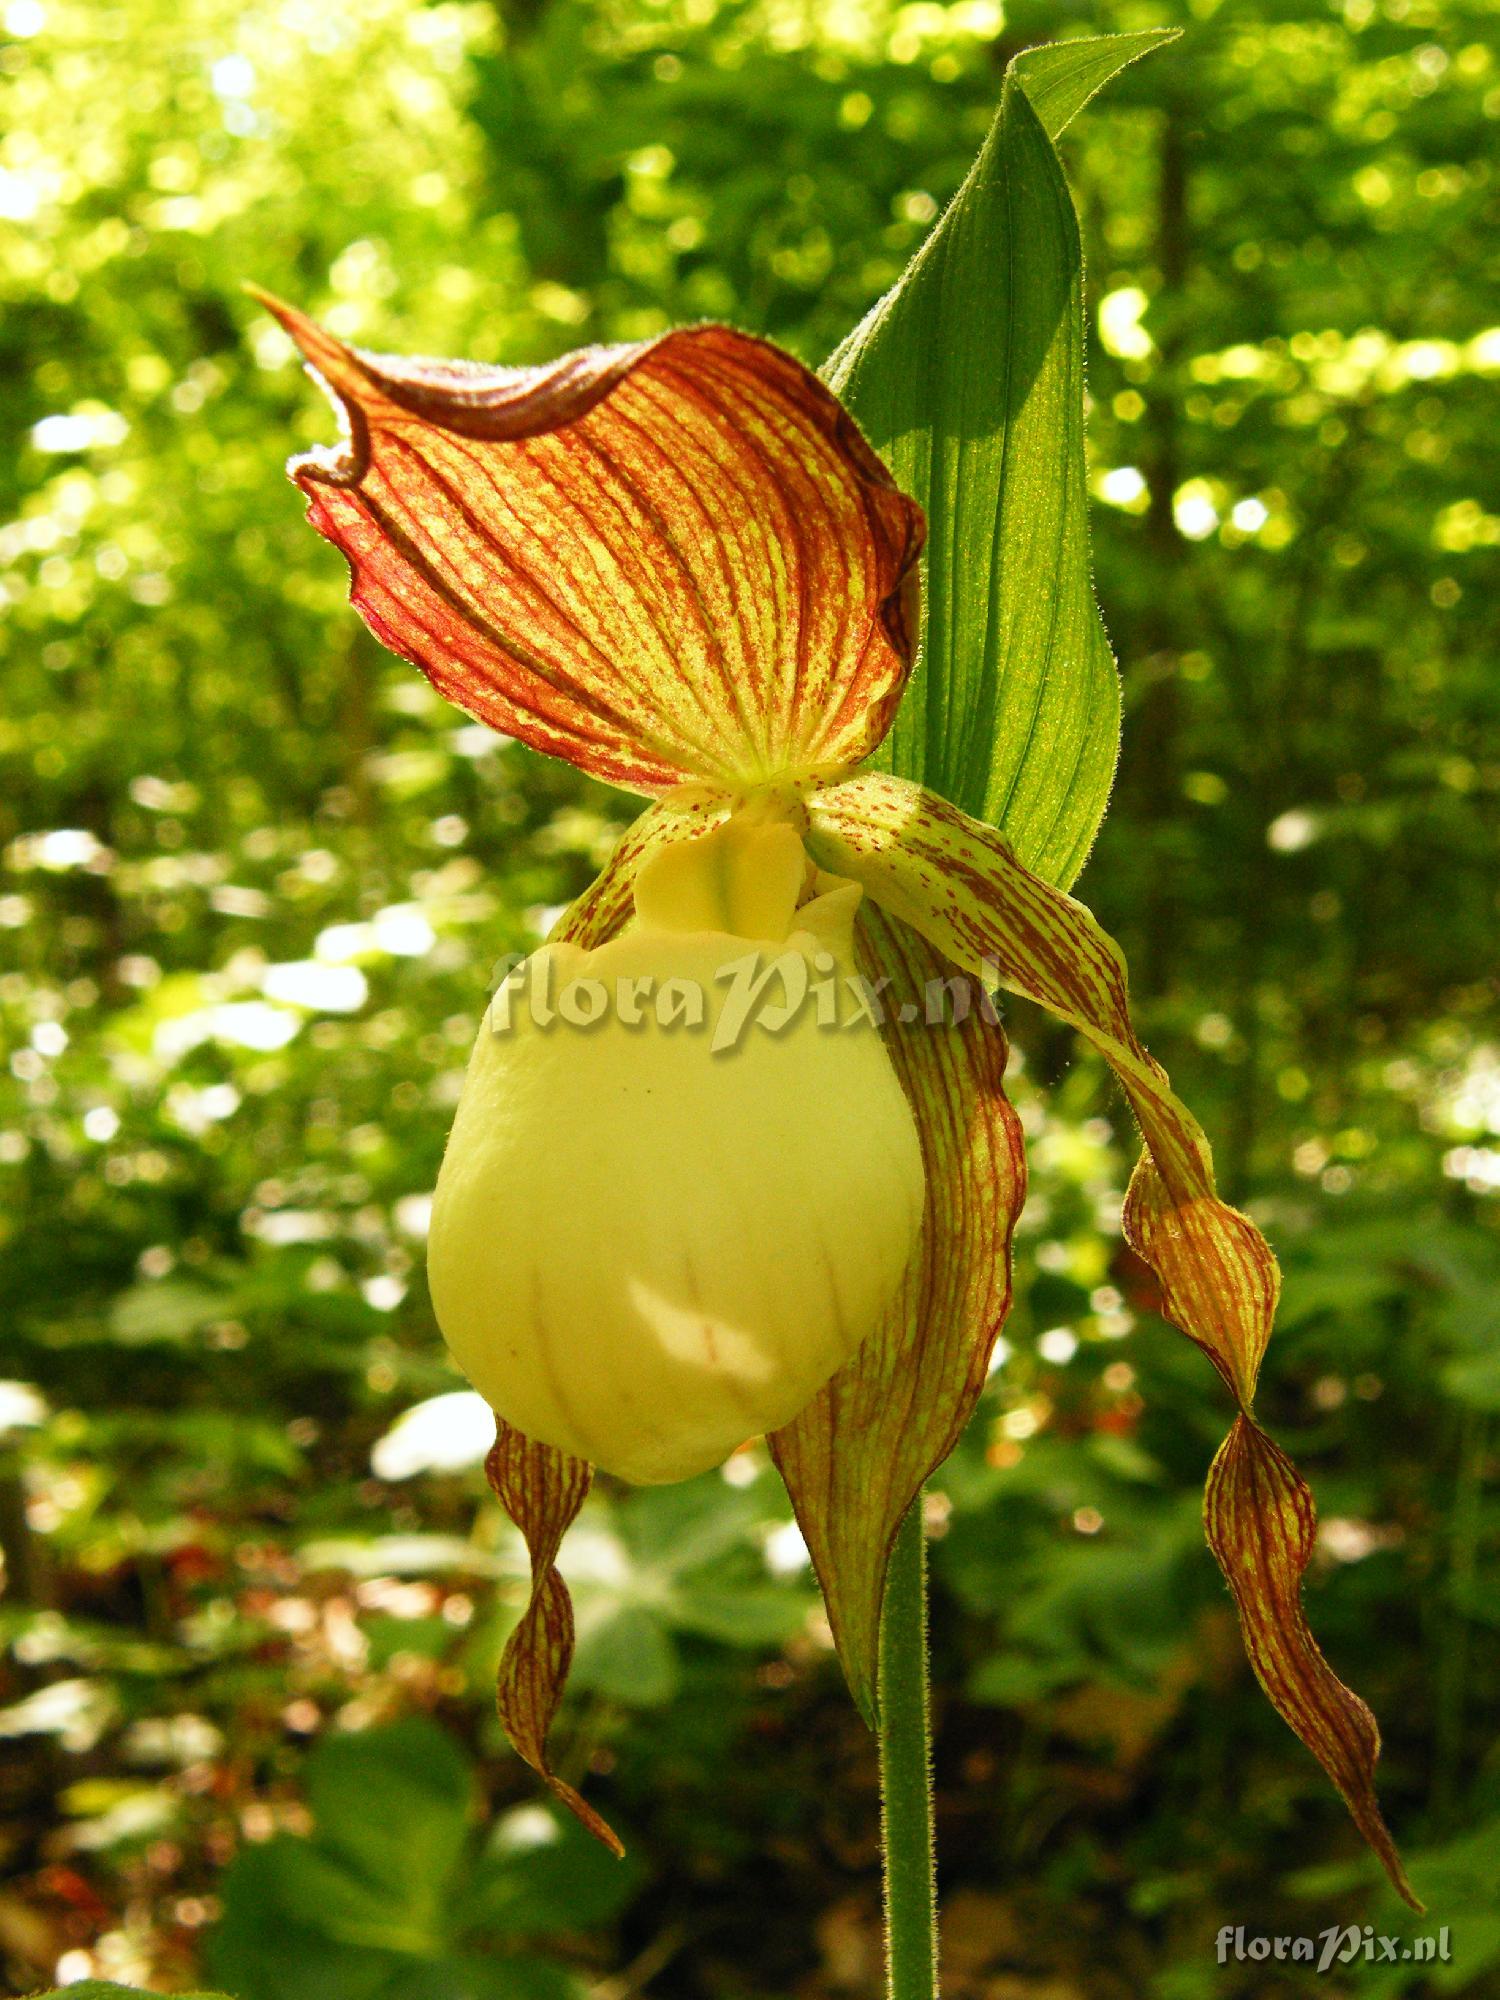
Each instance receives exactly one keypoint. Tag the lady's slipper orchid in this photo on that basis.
(644, 1250)
(679, 566)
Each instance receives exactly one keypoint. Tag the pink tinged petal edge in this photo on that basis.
(672, 561)
(959, 883)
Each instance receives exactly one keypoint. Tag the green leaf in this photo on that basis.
(675, 1530)
(103, 1989)
(474, 1978)
(1475, 1381)
(394, 1807)
(295, 1921)
(402, 1555)
(301, 1887)
(1061, 77)
(541, 1873)
(392, 1897)
(755, 1615)
(169, 1311)
(624, 1653)
(392, 1811)
(968, 379)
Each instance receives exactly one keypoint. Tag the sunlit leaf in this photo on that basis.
(541, 1873)
(103, 1989)
(169, 1312)
(1061, 77)
(968, 379)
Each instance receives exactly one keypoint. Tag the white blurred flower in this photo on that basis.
(321, 989)
(786, 1551)
(447, 1433)
(20, 1404)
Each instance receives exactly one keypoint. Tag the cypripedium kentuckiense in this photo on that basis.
(679, 566)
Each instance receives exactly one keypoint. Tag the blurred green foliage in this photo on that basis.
(394, 1893)
(255, 874)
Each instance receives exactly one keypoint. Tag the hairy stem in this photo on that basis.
(906, 1772)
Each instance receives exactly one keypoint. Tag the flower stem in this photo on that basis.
(906, 1771)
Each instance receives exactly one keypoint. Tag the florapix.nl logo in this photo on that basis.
(1338, 1946)
(760, 991)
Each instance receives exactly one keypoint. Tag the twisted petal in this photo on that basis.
(960, 885)
(542, 1490)
(855, 1457)
(1261, 1525)
(667, 561)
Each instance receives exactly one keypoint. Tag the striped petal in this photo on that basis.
(670, 561)
(856, 1456)
(542, 1490)
(959, 883)
(1262, 1525)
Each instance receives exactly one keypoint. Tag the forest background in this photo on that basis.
(255, 874)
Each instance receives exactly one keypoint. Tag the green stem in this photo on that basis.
(906, 1772)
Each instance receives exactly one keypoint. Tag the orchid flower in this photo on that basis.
(679, 566)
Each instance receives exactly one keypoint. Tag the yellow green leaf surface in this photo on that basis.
(1061, 77)
(968, 379)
